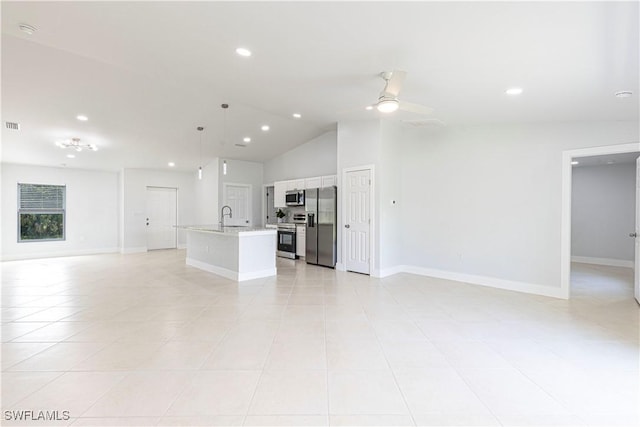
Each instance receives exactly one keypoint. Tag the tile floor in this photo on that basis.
(145, 340)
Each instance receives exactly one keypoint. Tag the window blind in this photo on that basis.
(38, 197)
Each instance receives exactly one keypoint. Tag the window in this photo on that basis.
(41, 212)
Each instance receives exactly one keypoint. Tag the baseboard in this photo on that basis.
(509, 285)
(610, 262)
(58, 254)
(182, 246)
(385, 272)
(137, 250)
(340, 266)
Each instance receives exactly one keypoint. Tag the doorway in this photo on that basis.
(269, 213)
(238, 198)
(357, 218)
(162, 218)
(591, 156)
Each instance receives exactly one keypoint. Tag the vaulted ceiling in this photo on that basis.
(146, 74)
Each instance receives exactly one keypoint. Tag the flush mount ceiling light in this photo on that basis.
(624, 94)
(575, 162)
(513, 91)
(76, 144)
(82, 117)
(265, 128)
(296, 115)
(28, 29)
(387, 105)
(171, 164)
(246, 139)
(71, 156)
(243, 51)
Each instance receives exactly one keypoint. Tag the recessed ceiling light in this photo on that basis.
(26, 28)
(575, 162)
(513, 91)
(242, 51)
(369, 107)
(297, 115)
(82, 118)
(246, 139)
(265, 128)
(624, 94)
(71, 156)
(171, 164)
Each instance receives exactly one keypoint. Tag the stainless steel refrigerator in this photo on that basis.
(320, 206)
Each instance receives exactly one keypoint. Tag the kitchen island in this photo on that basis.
(237, 253)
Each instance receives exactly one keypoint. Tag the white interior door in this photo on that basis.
(357, 225)
(636, 235)
(238, 197)
(162, 217)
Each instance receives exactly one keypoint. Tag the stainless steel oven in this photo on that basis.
(287, 240)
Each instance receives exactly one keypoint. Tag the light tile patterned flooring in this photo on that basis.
(145, 340)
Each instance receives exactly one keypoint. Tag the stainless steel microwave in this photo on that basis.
(294, 198)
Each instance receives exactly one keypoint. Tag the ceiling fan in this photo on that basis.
(388, 100)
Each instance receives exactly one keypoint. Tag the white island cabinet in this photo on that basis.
(237, 253)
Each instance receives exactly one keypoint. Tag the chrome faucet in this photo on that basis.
(222, 214)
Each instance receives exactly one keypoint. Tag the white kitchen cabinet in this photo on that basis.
(301, 240)
(315, 182)
(279, 191)
(329, 180)
(295, 184)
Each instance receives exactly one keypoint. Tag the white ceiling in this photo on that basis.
(148, 73)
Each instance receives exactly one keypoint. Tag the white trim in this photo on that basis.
(372, 217)
(136, 250)
(611, 262)
(340, 266)
(229, 274)
(385, 272)
(565, 225)
(492, 282)
(59, 254)
(182, 246)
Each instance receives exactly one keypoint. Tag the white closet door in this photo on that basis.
(357, 226)
(161, 219)
(238, 197)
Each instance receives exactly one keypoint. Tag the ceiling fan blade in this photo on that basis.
(395, 82)
(415, 108)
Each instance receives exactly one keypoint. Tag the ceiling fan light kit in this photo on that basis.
(387, 105)
(76, 144)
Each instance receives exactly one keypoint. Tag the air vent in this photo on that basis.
(241, 145)
(12, 125)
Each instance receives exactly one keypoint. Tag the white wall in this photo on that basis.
(484, 202)
(92, 202)
(314, 158)
(207, 211)
(133, 213)
(603, 211)
(243, 172)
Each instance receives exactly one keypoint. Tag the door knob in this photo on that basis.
(633, 234)
(347, 226)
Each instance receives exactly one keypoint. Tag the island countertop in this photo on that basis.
(232, 230)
